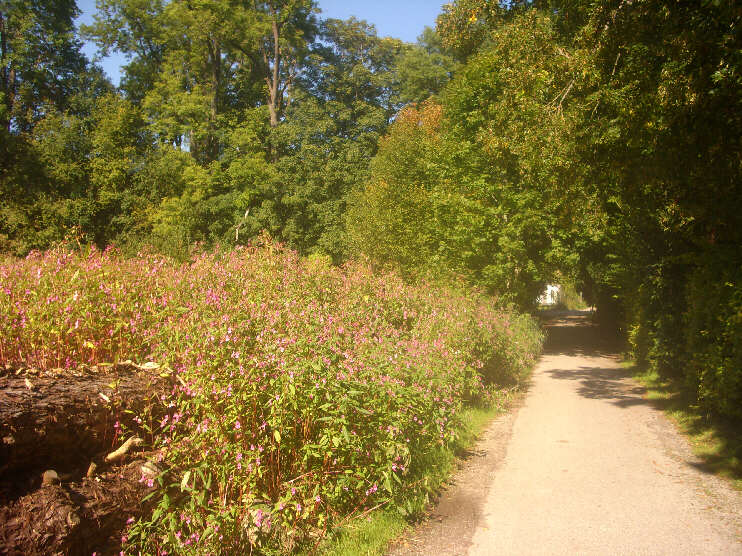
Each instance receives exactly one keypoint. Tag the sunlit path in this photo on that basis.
(590, 468)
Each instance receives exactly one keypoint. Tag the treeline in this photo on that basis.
(231, 118)
(600, 141)
(519, 141)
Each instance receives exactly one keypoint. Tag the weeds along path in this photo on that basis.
(590, 467)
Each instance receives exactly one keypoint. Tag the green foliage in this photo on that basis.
(667, 114)
(478, 185)
(391, 219)
(569, 298)
(279, 127)
(599, 140)
(41, 64)
(133, 28)
(305, 393)
(424, 69)
(371, 535)
(352, 85)
(465, 24)
(366, 537)
(713, 334)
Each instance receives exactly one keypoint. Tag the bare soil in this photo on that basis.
(64, 421)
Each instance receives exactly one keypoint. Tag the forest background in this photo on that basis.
(515, 143)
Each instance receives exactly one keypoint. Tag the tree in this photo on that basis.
(134, 28)
(198, 66)
(341, 104)
(665, 139)
(282, 47)
(465, 24)
(494, 190)
(47, 91)
(423, 69)
(392, 219)
(40, 59)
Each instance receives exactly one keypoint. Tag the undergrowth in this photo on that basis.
(306, 395)
(372, 534)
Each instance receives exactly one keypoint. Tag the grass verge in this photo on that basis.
(372, 534)
(716, 442)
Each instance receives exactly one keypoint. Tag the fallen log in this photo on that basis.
(124, 449)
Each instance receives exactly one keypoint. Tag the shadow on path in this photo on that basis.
(574, 333)
(602, 383)
(453, 522)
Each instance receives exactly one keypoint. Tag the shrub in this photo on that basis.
(687, 324)
(306, 394)
(714, 337)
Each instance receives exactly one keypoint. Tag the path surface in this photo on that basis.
(586, 466)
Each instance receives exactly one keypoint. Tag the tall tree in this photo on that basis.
(40, 59)
(134, 28)
(288, 30)
(207, 61)
(491, 179)
(424, 69)
(342, 103)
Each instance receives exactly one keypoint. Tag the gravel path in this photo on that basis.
(586, 466)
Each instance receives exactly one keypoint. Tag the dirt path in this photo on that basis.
(590, 467)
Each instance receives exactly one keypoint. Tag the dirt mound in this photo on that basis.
(68, 421)
(74, 518)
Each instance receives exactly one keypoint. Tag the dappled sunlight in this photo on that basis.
(575, 333)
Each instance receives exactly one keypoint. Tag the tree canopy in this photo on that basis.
(515, 144)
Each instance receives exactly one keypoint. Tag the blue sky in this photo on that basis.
(403, 19)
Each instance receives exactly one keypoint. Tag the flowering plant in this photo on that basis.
(305, 393)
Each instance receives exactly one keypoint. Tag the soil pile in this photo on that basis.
(58, 494)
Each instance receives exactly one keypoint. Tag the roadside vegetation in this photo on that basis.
(372, 534)
(306, 394)
(716, 441)
(410, 202)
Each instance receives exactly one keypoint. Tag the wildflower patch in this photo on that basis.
(303, 394)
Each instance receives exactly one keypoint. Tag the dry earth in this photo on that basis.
(587, 465)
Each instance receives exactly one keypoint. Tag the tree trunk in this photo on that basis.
(7, 74)
(215, 54)
(274, 100)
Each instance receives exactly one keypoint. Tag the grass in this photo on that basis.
(718, 443)
(368, 537)
(372, 534)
